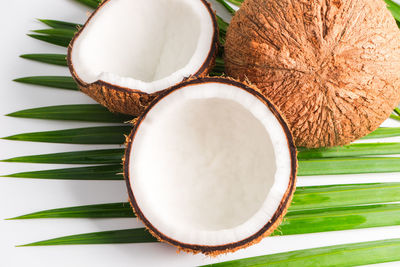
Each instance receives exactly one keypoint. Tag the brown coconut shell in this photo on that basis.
(331, 66)
(126, 100)
(269, 227)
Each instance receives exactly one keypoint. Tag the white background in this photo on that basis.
(20, 196)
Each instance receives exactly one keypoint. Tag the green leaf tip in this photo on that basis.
(109, 210)
(76, 112)
(105, 156)
(138, 235)
(102, 172)
(106, 135)
(56, 40)
(61, 82)
(54, 59)
(58, 24)
(64, 33)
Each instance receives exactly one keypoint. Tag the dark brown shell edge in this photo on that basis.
(268, 228)
(129, 101)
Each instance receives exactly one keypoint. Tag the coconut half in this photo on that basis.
(128, 51)
(210, 166)
(330, 66)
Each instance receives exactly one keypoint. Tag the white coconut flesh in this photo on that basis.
(209, 165)
(148, 45)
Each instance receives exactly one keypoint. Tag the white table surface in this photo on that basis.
(20, 196)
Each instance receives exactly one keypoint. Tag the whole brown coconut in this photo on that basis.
(332, 66)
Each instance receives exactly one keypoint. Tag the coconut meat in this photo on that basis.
(209, 165)
(145, 44)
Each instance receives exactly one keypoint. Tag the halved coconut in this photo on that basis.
(128, 51)
(210, 166)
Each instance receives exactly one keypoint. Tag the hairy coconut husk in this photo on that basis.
(126, 100)
(269, 227)
(330, 66)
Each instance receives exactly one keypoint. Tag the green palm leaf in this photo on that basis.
(58, 24)
(335, 166)
(329, 196)
(139, 235)
(227, 6)
(384, 132)
(90, 3)
(305, 198)
(352, 150)
(394, 9)
(222, 26)
(236, 2)
(65, 33)
(297, 222)
(337, 219)
(106, 172)
(110, 210)
(55, 59)
(91, 135)
(62, 82)
(56, 40)
(106, 156)
(81, 112)
(395, 117)
(340, 255)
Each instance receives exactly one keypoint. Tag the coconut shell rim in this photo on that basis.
(208, 62)
(269, 227)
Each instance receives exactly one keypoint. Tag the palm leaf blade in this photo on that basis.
(329, 196)
(56, 40)
(106, 156)
(108, 237)
(55, 59)
(62, 82)
(305, 198)
(91, 135)
(351, 150)
(80, 112)
(58, 24)
(384, 132)
(106, 172)
(336, 166)
(297, 222)
(90, 3)
(64, 33)
(110, 210)
(354, 254)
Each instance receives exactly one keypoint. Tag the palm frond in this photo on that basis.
(79, 112)
(58, 24)
(105, 172)
(297, 222)
(335, 166)
(105, 156)
(352, 150)
(62, 82)
(56, 40)
(305, 198)
(354, 254)
(92, 135)
(55, 59)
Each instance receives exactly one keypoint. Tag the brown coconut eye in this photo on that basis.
(128, 51)
(210, 166)
(331, 67)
